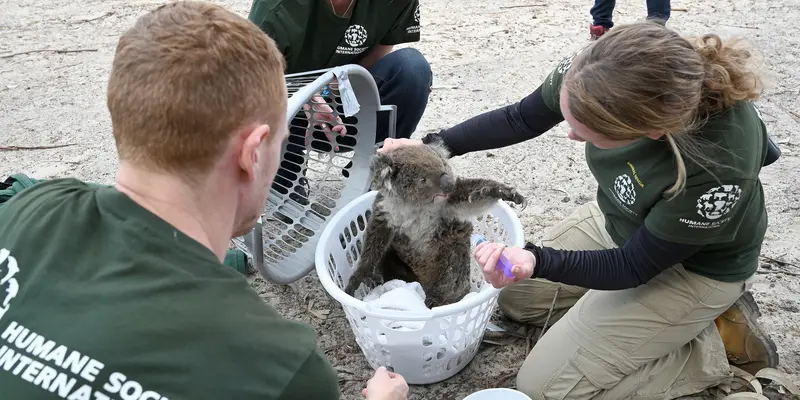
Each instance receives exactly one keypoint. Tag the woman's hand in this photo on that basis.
(323, 116)
(391, 144)
(386, 385)
(487, 254)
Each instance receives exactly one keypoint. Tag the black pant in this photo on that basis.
(603, 10)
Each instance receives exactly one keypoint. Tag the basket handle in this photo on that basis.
(392, 128)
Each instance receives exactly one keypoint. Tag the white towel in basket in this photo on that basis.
(401, 296)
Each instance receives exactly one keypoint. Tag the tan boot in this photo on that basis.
(748, 346)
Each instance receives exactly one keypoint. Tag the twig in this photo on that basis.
(563, 191)
(64, 162)
(742, 27)
(504, 378)
(549, 314)
(58, 51)
(343, 379)
(497, 340)
(777, 272)
(108, 14)
(18, 148)
(528, 340)
(794, 114)
(525, 6)
(505, 30)
(66, 66)
(781, 263)
(679, 9)
(775, 93)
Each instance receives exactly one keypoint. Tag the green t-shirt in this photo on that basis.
(312, 37)
(100, 299)
(723, 209)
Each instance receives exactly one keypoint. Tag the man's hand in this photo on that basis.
(386, 385)
(324, 117)
(487, 254)
(390, 144)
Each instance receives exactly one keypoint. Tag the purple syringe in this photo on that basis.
(503, 263)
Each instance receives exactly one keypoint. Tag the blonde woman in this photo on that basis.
(651, 280)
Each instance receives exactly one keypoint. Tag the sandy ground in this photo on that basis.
(484, 54)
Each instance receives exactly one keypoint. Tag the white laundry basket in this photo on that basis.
(441, 341)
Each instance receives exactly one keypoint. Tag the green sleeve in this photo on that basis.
(255, 354)
(265, 17)
(551, 88)
(406, 28)
(705, 212)
(22, 182)
(316, 379)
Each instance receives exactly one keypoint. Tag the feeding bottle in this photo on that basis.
(503, 264)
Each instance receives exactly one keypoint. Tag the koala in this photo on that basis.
(421, 222)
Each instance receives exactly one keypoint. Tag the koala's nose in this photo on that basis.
(447, 183)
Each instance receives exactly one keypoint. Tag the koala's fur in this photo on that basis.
(420, 225)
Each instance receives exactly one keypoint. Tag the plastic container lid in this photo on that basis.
(498, 394)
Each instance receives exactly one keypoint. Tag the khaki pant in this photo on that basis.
(656, 341)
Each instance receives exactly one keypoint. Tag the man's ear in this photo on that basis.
(250, 157)
(382, 171)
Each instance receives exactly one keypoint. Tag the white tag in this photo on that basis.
(349, 100)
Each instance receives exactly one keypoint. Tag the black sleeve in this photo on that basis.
(512, 124)
(642, 258)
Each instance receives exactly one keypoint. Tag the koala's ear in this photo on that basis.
(437, 145)
(382, 171)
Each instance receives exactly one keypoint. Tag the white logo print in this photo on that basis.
(758, 112)
(718, 201)
(623, 186)
(355, 35)
(564, 65)
(8, 268)
(50, 365)
(413, 28)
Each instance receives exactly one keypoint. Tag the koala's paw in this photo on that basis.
(370, 281)
(374, 281)
(501, 191)
(350, 289)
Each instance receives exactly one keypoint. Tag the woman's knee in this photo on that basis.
(583, 229)
(549, 372)
(566, 383)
